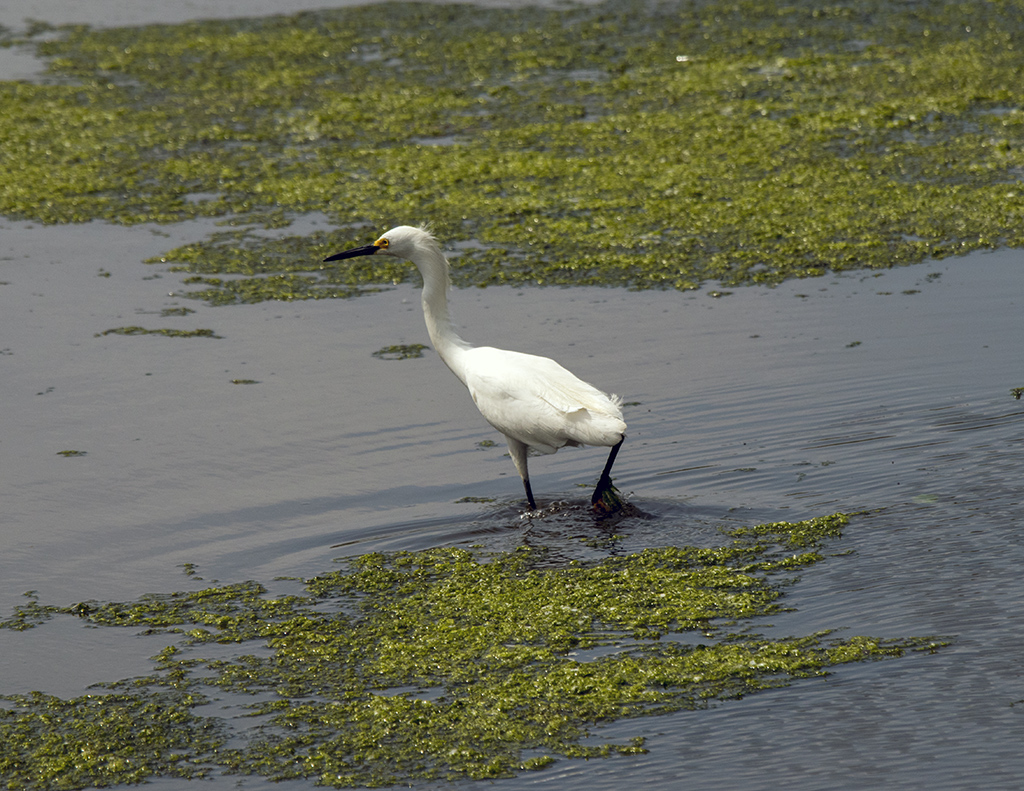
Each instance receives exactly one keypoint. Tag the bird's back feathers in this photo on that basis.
(538, 402)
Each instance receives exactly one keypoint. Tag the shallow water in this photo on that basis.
(753, 406)
(841, 393)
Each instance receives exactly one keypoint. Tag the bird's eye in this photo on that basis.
(383, 243)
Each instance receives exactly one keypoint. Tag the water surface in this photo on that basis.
(883, 393)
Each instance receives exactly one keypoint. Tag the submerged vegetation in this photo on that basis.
(446, 663)
(407, 351)
(167, 333)
(641, 144)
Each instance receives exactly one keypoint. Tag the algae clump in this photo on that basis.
(401, 351)
(442, 664)
(625, 143)
(167, 333)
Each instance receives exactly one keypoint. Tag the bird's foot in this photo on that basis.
(606, 500)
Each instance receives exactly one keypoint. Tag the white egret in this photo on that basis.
(533, 401)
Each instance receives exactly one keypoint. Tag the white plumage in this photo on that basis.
(533, 401)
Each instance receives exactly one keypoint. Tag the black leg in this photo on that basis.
(604, 483)
(529, 494)
(607, 472)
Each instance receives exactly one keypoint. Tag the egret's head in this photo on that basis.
(400, 242)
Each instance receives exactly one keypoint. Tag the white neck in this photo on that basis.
(447, 343)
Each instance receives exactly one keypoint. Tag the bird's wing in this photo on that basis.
(537, 401)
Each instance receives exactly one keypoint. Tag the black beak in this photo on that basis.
(369, 249)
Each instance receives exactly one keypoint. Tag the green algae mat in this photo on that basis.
(440, 664)
(637, 144)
